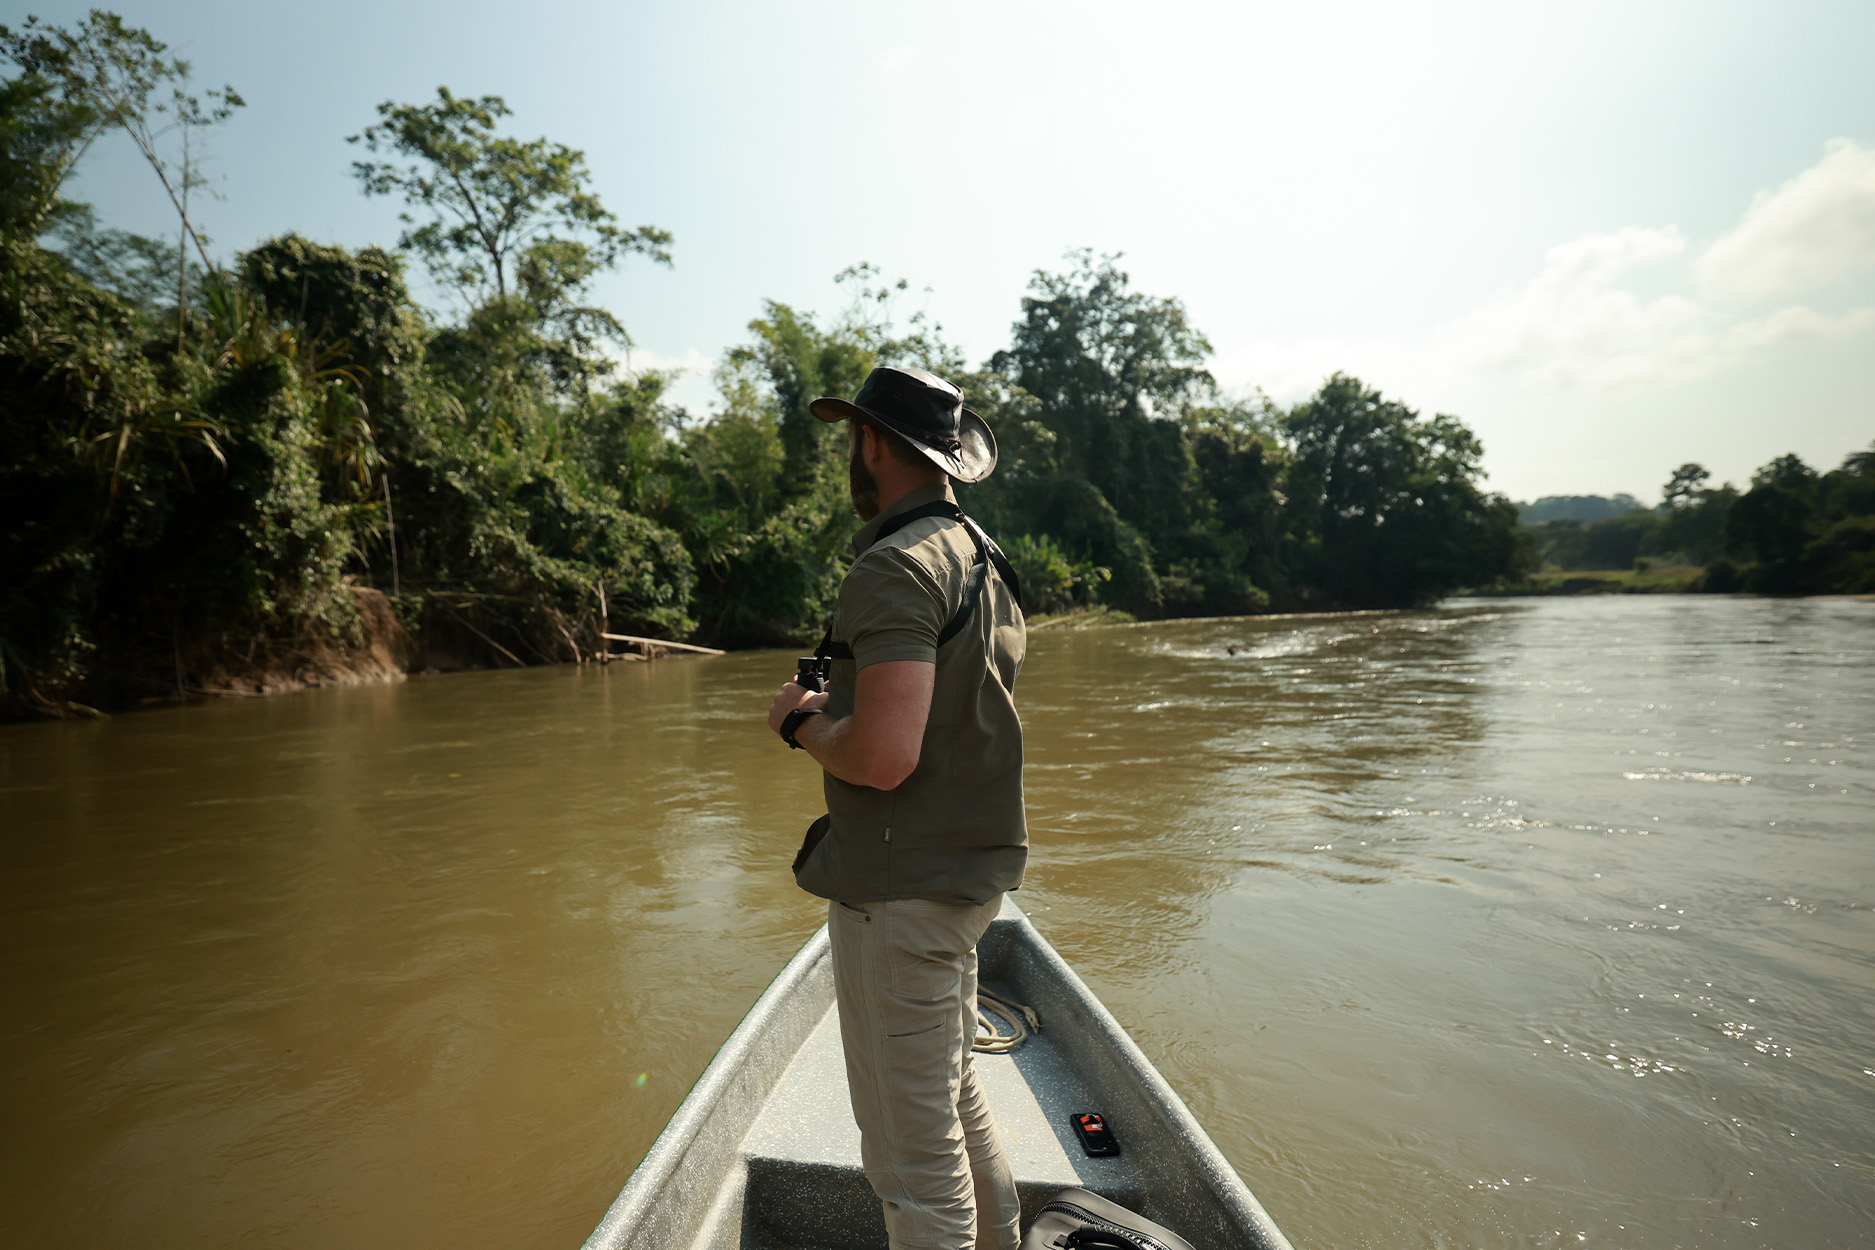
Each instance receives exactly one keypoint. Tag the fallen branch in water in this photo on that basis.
(660, 642)
(519, 662)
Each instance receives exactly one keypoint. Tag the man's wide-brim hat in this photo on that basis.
(929, 412)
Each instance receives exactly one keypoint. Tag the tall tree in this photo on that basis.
(43, 132)
(495, 217)
(1774, 521)
(1241, 466)
(798, 362)
(1104, 361)
(1386, 506)
(514, 230)
(1111, 370)
(1684, 486)
(100, 75)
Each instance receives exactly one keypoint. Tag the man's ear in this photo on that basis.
(872, 448)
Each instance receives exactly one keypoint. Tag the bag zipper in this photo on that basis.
(1146, 1240)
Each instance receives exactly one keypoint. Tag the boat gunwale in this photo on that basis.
(636, 1209)
(1149, 1086)
(635, 1205)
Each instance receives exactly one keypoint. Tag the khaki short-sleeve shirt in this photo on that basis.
(955, 829)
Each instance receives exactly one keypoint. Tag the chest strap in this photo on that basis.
(988, 555)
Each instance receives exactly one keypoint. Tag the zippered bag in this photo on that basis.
(1077, 1220)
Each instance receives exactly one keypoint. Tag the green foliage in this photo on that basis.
(43, 132)
(1688, 528)
(1611, 543)
(357, 300)
(500, 216)
(513, 229)
(1795, 531)
(1387, 504)
(1685, 485)
(1111, 371)
(792, 362)
(1691, 528)
(1242, 467)
(1774, 523)
(1116, 443)
(102, 75)
(1806, 532)
(767, 510)
(1052, 580)
(150, 498)
(72, 85)
(194, 482)
(140, 269)
(1722, 577)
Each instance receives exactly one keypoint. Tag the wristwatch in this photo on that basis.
(793, 721)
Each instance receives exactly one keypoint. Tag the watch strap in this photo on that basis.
(793, 721)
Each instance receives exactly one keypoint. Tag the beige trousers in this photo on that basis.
(905, 976)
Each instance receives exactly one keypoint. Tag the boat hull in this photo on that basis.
(763, 1153)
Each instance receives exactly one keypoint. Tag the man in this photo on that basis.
(924, 832)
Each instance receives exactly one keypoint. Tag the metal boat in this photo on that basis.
(763, 1154)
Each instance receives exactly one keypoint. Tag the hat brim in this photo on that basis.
(973, 461)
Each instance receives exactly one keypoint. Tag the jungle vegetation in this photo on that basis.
(1792, 530)
(215, 466)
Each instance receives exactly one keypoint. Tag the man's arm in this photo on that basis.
(878, 744)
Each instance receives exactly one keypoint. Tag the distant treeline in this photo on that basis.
(1792, 531)
(1577, 508)
(214, 469)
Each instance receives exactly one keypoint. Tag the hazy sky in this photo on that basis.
(1611, 237)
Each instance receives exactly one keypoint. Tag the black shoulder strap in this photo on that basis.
(940, 507)
(988, 554)
(973, 591)
(987, 545)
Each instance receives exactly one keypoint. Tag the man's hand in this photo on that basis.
(878, 745)
(791, 697)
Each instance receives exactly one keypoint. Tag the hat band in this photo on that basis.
(944, 443)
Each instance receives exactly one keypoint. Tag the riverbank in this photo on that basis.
(374, 650)
(385, 650)
(377, 648)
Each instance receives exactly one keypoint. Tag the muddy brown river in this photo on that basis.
(1510, 923)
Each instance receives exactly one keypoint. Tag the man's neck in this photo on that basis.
(901, 502)
(890, 495)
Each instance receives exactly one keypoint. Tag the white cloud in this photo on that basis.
(1791, 324)
(1574, 325)
(1811, 232)
(1290, 372)
(1579, 324)
(691, 387)
(897, 59)
(692, 363)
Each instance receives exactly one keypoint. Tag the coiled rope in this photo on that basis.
(991, 1042)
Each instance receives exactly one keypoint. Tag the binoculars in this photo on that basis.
(812, 672)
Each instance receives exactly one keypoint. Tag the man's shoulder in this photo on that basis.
(932, 551)
(888, 571)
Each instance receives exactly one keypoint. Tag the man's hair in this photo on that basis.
(896, 443)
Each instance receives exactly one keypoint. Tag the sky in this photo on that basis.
(1611, 237)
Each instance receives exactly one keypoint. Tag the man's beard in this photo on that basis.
(864, 485)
